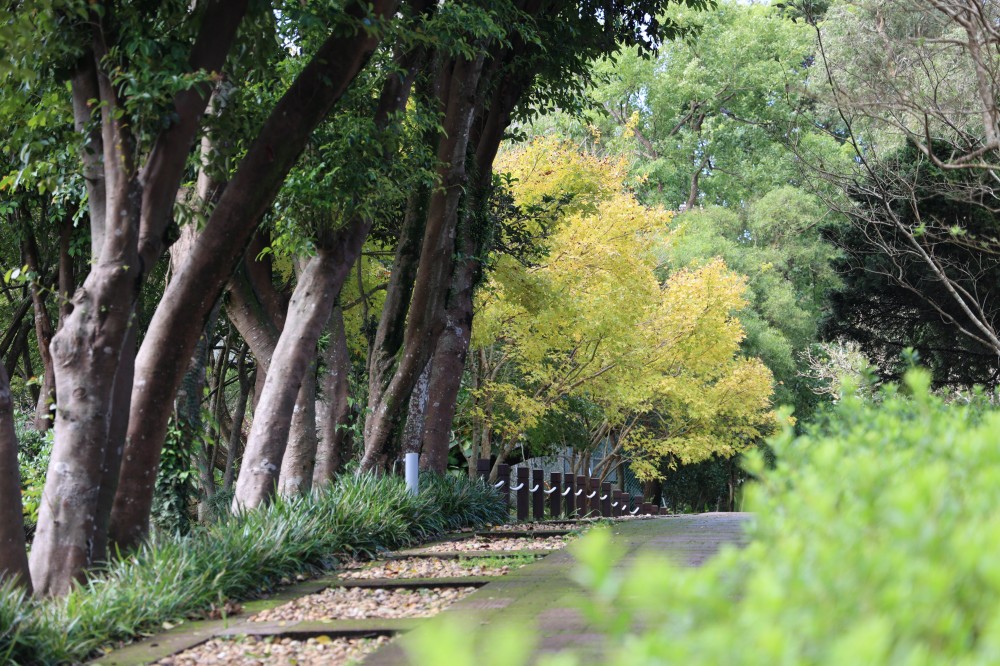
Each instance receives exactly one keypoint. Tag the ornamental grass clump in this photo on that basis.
(238, 557)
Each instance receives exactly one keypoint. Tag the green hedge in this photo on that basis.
(172, 578)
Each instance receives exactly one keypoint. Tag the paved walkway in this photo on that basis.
(542, 594)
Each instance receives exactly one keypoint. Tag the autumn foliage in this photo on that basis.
(656, 357)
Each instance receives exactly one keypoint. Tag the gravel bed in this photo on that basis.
(422, 567)
(276, 651)
(358, 603)
(481, 543)
(541, 527)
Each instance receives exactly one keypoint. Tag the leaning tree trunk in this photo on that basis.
(300, 454)
(387, 402)
(13, 551)
(86, 354)
(235, 448)
(334, 436)
(44, 331)
(309, 310)
(448, 366)
(118, 426)
(189, 298)
(88, 346)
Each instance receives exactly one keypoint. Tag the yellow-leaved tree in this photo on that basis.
(652, 366)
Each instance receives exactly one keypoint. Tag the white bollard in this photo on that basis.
(412, 473)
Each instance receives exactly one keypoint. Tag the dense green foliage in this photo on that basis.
(776, 241)
(173, 578)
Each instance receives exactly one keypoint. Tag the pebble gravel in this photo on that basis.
(276, 651)
(481, 543)
(358, 603)
(423, 567)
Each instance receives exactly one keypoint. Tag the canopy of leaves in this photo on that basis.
(592, 320)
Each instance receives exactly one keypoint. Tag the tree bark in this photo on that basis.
(189, 298)
(13, 550)
(300, 455)
(118, 425)
(67, 279)
(86, 353)
(413, 430)
(334, 436)
(446, 377)
(17, 325)
(255, 307)
(309, 310)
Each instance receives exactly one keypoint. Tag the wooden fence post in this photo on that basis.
(503, 474)
(582, 490)
(606, 499)
(483, 469)
(570, 485)
(555, 497)
(538, 494)
(523, 488)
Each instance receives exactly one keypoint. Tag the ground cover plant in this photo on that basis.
(172, 578)
(874, 542)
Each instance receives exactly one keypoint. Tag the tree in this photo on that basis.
(708, 120)
(537, 68)
(13, 554)
(591, 321)
(914, 110)
(777, 241)
(141, 82)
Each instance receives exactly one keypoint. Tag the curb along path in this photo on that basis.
(542, 595)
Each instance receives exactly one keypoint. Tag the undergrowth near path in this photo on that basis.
(172, 578)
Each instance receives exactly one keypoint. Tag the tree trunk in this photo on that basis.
(334, 436)
(309, 310)
(87, 349)
(44, 331)
(235, 448)
(300, 455)
(445, 381)
(116, 443)
(389, 400)
(86, 352)
(67, 279)
(414, 429)
(17, 346)
(189, 298)
(392, 323)
(13, 551)
(255, 307)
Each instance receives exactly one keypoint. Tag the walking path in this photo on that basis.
(543, 596)
(539, 595)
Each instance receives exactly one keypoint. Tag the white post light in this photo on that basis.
(412, 473)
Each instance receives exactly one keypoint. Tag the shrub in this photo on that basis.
(174, 577)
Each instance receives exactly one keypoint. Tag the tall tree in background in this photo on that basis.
(914, 85)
